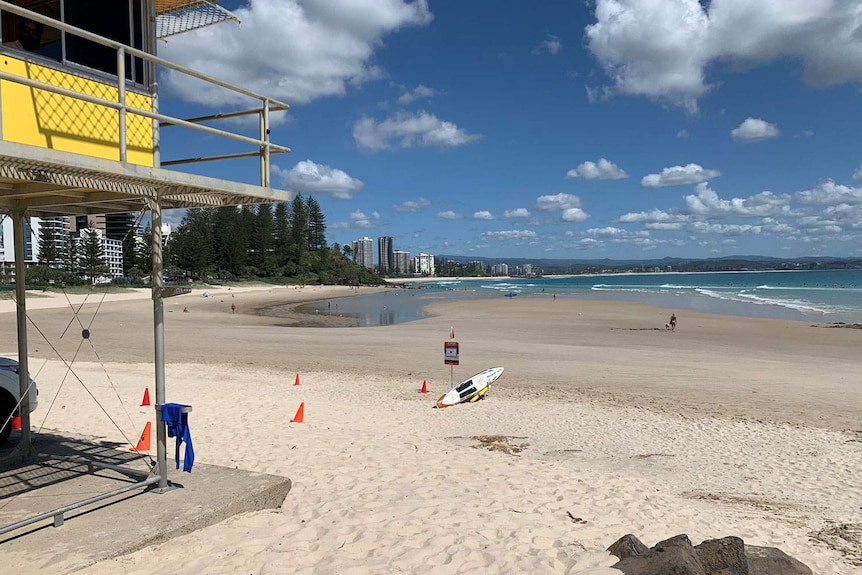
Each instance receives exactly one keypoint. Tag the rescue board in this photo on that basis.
(471, 390)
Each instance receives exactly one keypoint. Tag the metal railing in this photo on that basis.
(264, 148)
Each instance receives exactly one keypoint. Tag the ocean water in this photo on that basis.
(830, 296)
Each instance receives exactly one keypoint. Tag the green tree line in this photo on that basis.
(276, 241)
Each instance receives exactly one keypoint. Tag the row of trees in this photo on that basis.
(284, 241)
(70, 260)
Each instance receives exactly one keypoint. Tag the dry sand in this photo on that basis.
(601, 425)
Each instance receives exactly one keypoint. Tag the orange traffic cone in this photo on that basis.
(424, 387)
(296, 381)
(146, 399)
(299, 413)
(144, 441)
(16, 423)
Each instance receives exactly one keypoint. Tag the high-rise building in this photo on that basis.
(114, 226)
(401, 261)
(118, 225)
(363, 252)
(7, 243)
(424, 264)
(385, 255)
(34, 228)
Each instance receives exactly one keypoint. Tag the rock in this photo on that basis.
(724, 556)
(627, 546)
(772, 561)
(674, 556)
(681, 539)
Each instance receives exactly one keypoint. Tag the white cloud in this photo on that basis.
(511, 235)
(679, 176)
(574, 215)
(291, 50)
(857, 175)
(550, 46)
(418, 93)
(557, 203)
(651, 217)
(601, 170)
(663, 226)
(661, 48)
(755, 130)
(682, 133)
(517, 213)
(483, 215)
(411, 206)
(725, 229)
(449, 215)
(829, 193)
(308, 177)
(407, 131)
(705, 202)
(359, 220)
(608, 232)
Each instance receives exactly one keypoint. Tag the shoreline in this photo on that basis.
(609, 351)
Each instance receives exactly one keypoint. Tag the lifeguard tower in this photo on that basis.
(80, 134)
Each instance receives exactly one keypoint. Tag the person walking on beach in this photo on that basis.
(233, 308)
(672, 322)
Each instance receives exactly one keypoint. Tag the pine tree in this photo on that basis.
(70, 254)
(130, 253)
(145, 251)
(229, 249)
(191, 245)
(281, 232)
(92, 254)
(316, 225)
(49, 255)
(298, 232)
(260, 243)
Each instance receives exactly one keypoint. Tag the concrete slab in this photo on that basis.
(122, 524)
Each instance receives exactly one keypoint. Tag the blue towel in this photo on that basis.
(178, 426)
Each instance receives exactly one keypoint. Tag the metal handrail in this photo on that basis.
(267, 104)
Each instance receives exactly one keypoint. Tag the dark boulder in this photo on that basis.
(772, 561)
(725, 556)
(627, 546)
(674, 556)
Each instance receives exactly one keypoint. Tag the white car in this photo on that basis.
(9, 394)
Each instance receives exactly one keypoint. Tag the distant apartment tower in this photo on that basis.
(385, 255)
(7, 243)
(363, 252)
(401, 262)
(34, 228)
(423, 264)
(113, 226)
(499, 270)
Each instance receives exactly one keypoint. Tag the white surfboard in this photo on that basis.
(470, 390)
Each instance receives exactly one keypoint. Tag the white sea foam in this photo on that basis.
(799, 305)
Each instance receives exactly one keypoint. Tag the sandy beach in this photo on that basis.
(603, 424)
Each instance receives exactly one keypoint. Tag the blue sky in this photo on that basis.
(553, 129)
